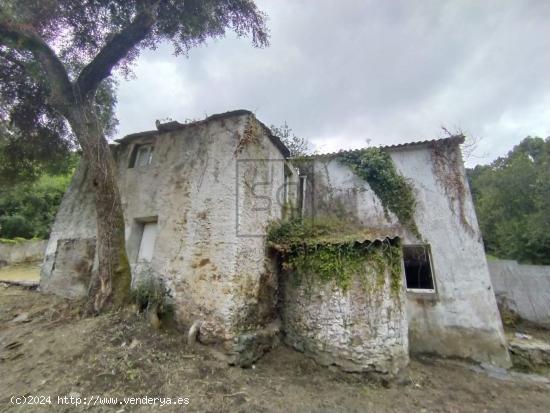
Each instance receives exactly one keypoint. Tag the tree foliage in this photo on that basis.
(512, 199)
(295, 144)
(28, 209)
(34, 137)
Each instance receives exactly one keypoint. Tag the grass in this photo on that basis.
(27, 271)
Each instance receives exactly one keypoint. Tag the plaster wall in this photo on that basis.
(523, 289)
(461, 318)
(22, 251)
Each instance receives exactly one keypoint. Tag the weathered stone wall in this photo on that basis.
(22, 251)
(461, 318)
(75, 224)
(523, 289)
(361, 329)
(206, 188)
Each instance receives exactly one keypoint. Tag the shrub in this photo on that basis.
(151, 294)
(13, 226)
(28, 210)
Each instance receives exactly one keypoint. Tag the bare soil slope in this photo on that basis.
(47, 348)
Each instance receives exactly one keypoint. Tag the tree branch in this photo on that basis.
(13, 60)
(20, 38)
(115, 50)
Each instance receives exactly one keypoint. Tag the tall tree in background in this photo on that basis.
(512, 199)
(54, 57)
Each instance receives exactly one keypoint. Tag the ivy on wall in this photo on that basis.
(447, 168)
(251, 135)
(376, 167)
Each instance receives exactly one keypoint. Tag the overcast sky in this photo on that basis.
(345, 73)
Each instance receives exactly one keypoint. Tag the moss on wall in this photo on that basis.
(376, 167)
(329, 249)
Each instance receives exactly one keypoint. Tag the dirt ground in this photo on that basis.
(48, 349)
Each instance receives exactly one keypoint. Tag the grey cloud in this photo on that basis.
(343, 72)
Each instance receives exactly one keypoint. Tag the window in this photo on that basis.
(147, 244)
(142, 155)
(418, 268)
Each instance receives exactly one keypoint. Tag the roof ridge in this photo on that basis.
(459, 139)
(174, 125)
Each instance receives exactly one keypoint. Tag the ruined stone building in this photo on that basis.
(320, 252)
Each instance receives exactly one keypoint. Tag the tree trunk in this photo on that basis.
(110, 286)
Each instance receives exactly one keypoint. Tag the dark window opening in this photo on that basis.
(418, 268)
(142, 155)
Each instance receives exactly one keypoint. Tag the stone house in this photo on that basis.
(201, 201)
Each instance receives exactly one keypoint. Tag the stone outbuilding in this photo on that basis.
(203, 204)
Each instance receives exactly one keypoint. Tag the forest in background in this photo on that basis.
(28, 209)
(512, 200)
(511, 196)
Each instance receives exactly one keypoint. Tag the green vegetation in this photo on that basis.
(334, 251)
(151, 295)
(16, 240)
(27, 209)
(376, 167)
(297, 145)
(512, 200)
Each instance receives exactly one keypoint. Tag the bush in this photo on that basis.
(512, 200)
(28, 210)
(15, 226)
(151, 294)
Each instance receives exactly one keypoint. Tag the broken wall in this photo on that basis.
(75, 224)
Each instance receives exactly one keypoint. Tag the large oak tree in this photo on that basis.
(55, 55)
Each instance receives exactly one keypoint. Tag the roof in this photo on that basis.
(451, 140)
(175, 125)
(346, 236)
(360, 235)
